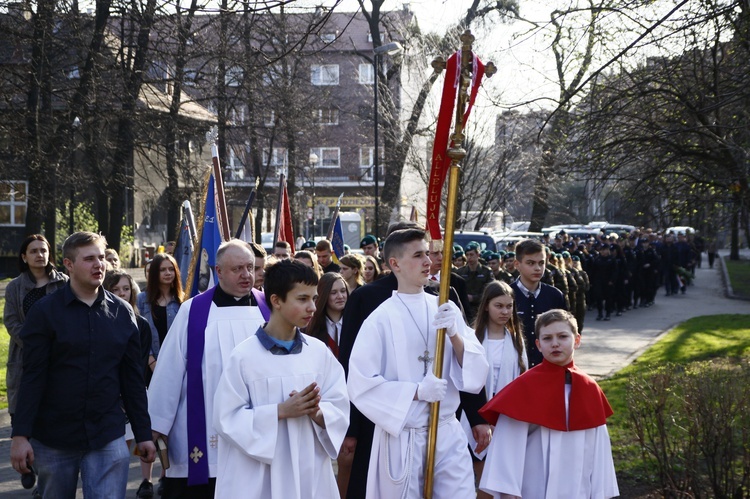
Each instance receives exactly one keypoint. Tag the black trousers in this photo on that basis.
(177, 488)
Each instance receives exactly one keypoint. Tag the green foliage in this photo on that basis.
(4, 341)
(697, 340)
(692, 426)
(83, 219)
(739, 276)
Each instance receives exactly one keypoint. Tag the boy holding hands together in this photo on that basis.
(281, 407)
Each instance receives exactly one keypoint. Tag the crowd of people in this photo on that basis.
(253, 387)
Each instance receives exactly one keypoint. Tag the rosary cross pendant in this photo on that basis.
(426, 359)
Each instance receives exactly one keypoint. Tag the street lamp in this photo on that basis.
(392, 48)
(313, 161)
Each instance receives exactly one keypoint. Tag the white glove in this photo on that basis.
(432, 388)
(448, 317)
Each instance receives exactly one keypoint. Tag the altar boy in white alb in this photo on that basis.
(391, 380)
(551, 438)
(281, 407)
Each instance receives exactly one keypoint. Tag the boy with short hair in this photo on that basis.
(554, 444)
(281, 407)
(391, 380)
(533, 297)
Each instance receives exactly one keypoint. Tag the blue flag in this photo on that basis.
(337, 240)
(204, 276)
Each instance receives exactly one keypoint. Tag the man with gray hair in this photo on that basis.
(191, 360)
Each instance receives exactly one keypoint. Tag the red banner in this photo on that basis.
(285, 220)
(440, 160)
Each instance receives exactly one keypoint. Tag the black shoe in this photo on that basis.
(618, 314)
(160, 487)
(28, 480)
(145, 491)
(607, 318)
(599, 317)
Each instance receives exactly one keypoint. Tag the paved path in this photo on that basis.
(606, 347)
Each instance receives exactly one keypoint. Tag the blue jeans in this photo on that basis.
(104, 472)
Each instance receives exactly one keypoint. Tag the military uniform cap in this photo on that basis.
(368, 239)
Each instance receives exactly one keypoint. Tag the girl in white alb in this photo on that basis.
(499, 330)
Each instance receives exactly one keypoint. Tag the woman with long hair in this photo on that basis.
(498, 329)
(161, 300)
(38, 277)
(121, 284)
(333, 293)
(352, 268)
(371, 269)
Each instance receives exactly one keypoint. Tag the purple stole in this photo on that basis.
(196, 403)
(262, 305)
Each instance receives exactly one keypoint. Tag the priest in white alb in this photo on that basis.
(180, 396)
(392, 384)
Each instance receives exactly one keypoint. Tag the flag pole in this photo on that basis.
(282, 186)
(245, 213)
(456, 153)
(198, 235)
(333, 218)
(221, 204)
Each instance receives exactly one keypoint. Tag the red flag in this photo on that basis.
(285, 220)
(440, 160)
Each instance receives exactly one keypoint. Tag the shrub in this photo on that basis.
(693, 426)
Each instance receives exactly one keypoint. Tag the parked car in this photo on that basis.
(485, 239)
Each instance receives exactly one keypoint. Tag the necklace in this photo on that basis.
(424, 358)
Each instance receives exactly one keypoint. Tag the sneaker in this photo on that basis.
(160, 488)
(607, 318)
(599, 317)
(146, 490)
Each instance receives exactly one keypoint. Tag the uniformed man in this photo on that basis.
(476, 276)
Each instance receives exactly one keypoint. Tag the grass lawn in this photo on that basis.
(739, 276)
(698, 339)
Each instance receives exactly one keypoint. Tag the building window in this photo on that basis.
(367, 161)
(13, 202)
(238, 116)
(74, 73)
(328, 116)
(191, 77)
(279, 157)
(269, 117)
(233, 76)
(324, 74)
(328, 37)
(366, 74)
(328, 157)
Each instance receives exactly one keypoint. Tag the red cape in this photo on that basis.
(538, 397)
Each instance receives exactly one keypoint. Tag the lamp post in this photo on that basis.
(392, 48)
(313, 161)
